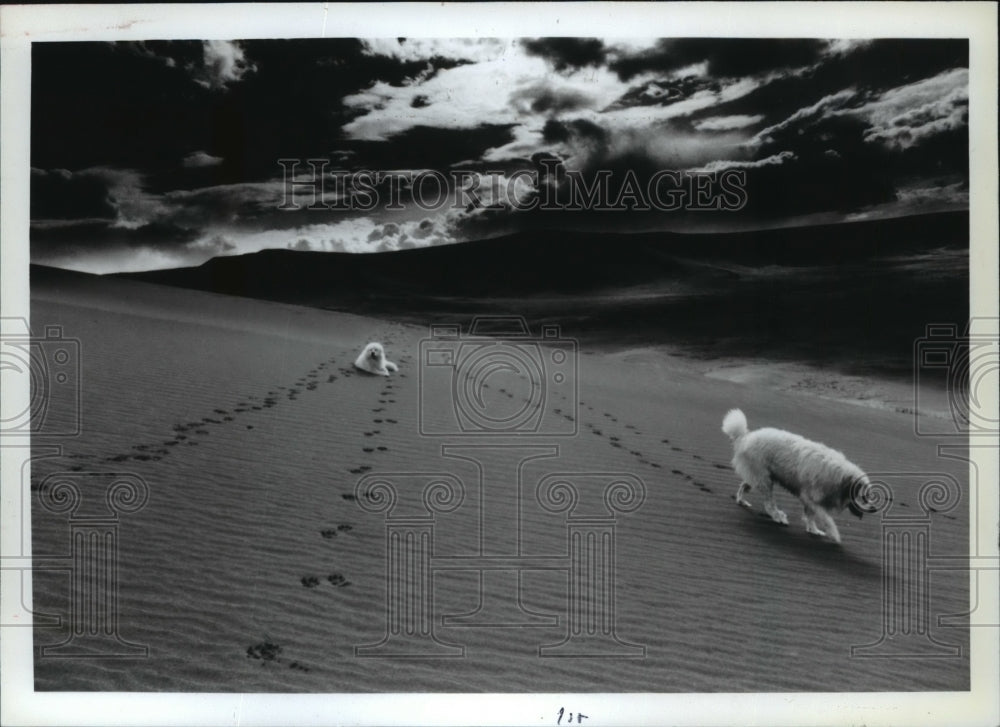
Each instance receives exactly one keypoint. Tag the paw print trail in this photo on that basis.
(191, 433)
(648, 453)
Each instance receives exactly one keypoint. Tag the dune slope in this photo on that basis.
(253, 568)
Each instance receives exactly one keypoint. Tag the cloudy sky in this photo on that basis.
(166, 153)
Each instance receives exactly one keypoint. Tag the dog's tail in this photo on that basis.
(734, 424)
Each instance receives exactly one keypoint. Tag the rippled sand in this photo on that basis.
(253, 568)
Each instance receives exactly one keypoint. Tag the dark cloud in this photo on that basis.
(173, 146)
(171, 53)
(724, 56)
(424, 147)
(841, 143)
(857, 175)
(887, 63)
(565, 53)
(945, 154)
(98, 104)
(137, 105)
(574, 129)
(49, 241)
(791, 176)
(869, 67)
(230, 203)
(61, 195)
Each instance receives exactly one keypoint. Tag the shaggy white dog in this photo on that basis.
(372, 359)
(823, 478)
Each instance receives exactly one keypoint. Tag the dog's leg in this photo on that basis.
(831, 526)
(770, 507)
(808, 517)
(740, 500)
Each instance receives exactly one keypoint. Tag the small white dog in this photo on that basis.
(372, 360)
(823, 478)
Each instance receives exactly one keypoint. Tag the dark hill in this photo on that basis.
(546, 262)
(854, 296)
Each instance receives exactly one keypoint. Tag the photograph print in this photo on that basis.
(525, 364)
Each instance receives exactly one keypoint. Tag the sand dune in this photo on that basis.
(253, 567)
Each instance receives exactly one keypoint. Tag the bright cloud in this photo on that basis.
(497, 91)
(903, 117)
(199, 159)
(359, 235)
(844, 46)
(899, 118)
(771, 161)
(518, 89)
(725, 123)
(826, 106)
(780, 106)
(224, 62)
(419, 49)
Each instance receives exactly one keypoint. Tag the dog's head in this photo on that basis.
(374, 351)
(858, 492)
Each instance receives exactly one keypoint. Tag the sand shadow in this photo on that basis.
(795, 544)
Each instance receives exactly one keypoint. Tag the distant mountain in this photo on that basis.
(553, 262)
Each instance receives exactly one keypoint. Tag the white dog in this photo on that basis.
(823, 478)
(372, 359)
